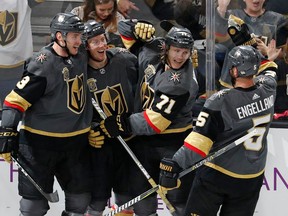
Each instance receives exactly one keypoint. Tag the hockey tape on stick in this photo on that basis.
(219, 152)
(51, 197)
(135, 159)
(133, 201)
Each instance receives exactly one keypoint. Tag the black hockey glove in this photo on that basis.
(239, 32)
(114, 126)
(169, 173)
(9, 143)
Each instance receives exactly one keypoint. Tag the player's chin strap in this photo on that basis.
(64, 47)
(200, 163)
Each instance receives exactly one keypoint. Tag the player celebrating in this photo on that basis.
(233, 180)
(166, 92)
(56, 108)
(112, 79)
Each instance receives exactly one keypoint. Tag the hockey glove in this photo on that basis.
(95, 137)
(8, 143)
(239, 32)
(169, 172)
(144, 31)
(114, 126)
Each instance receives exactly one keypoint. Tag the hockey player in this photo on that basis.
(167, 90)
(112, 79)
(231, 181)
(54, 104)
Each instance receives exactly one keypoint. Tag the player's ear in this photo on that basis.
(233, 72)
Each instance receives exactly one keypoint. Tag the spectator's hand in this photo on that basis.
(8, 143)
(114, 126)
(272, 51)
(144, 31)
(261, 46)
(169, 172)
(125, 7)
(222, 6)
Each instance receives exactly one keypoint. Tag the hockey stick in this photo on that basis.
(219, 152)
(51, 197)
(133, 201)
(200, 163)
(135, 159)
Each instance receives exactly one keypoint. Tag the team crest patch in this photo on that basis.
(8, 27)
(92, 84)
(41, 57)
(65, 72)
(149, 71)
(76, 94)
(175, 77)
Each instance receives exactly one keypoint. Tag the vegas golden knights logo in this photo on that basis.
(76, 96)
(112, 100)
(8, 27)
(146, 94)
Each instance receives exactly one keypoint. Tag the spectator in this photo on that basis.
(15, 41)
(281, 102)
(54, 104)
(125, 7)
(105, 12)
(261, 22)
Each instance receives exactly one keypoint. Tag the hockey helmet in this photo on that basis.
(246, 58)
(64, 23)
(179, 37)
(93, 28)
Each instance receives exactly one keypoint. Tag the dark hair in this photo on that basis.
(90, 6)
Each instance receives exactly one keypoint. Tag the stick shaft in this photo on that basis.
(51, 197)
(135, 159)
(218, 152)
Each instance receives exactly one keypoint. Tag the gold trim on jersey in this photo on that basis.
(232, 174)
(52, 134)
(266, 65)
(128, 42)
(199, 141)
(177, 130)
(158, 120)
(13, 66)
(17, 100)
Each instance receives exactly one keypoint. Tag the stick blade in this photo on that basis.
(53, 197)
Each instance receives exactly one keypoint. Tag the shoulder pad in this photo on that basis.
(215, 101)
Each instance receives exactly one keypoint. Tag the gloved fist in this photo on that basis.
(169, 172)
(96, 139)
(6, 157)
(239, 32)
(144, 31)
(8, 143)
(114, 126)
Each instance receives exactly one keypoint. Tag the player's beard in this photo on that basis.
(97, 60)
